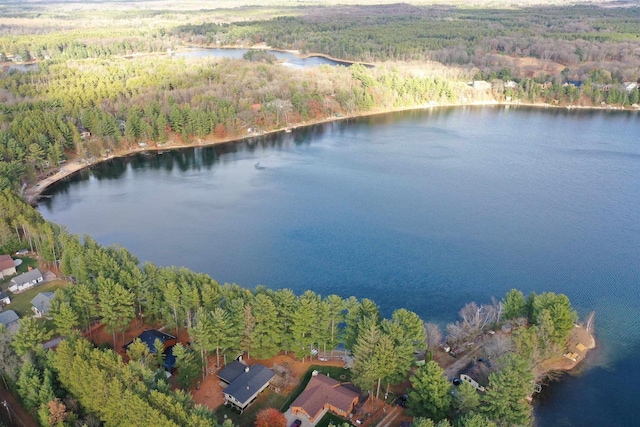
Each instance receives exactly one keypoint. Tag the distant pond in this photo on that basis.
(288, 59)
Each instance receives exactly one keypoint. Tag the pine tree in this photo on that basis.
(430, 395)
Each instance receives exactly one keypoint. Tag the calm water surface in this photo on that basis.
(288, 59)
(425, 210)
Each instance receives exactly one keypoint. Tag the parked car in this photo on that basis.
(402, 400)
(456, 382)
(296, 423)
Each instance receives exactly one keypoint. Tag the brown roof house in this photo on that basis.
(7, 266)
(324, 394)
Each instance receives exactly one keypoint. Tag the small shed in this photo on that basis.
(41, 303)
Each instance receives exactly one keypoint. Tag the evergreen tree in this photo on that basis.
(505, 400)
(30, 336)
(429, 396)
(187, 365)
(514, 305)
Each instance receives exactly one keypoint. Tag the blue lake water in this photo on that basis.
(288, 59)
(426, 210)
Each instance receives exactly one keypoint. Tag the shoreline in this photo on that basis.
(33, 191)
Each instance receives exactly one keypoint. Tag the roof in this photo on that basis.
(6, 262)
(42, 301)
(323, 390)
(232, 371)
(149, 337)
(169, 358)
(3, 295)
(27, 277)
(9, 316)
(250, 382)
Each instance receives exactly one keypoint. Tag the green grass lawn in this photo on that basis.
(267, 399)
(330, 419)
(26, 263)
(340, 374)
(21, 303)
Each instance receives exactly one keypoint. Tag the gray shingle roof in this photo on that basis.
(249, 383)
(7, 317)
(232, 371)
(42, 301)
(26, 277)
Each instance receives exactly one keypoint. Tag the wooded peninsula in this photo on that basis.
(81, 83)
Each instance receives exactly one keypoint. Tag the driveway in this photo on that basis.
(305, 422)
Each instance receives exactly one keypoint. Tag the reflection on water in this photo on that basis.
(287, 58)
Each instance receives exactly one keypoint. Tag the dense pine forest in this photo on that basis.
(94, 93)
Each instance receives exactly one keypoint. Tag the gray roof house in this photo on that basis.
(41, 303)
(9, 319)
(231, 371)
(245, 387)
(26, 280)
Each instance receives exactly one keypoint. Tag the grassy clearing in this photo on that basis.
(268, 399)
(21, 303)
(341, 374)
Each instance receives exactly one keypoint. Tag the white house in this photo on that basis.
(41, 303)
(7, 266)
(4, 299)
(26, 281)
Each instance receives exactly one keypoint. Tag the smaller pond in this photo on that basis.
(288, 59)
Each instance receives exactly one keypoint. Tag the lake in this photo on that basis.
(425, 209)
(287, 58)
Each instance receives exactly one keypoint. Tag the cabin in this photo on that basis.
(7, 266)
(26, 281)
(244, 386)
(41, 304)
(9, 319)
(149, 337)
(324, 394)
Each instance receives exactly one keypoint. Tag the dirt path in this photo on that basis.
(13, 414)
(462, 361)
(392, 418)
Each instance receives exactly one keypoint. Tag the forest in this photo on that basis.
(97, 89)
(109, 285)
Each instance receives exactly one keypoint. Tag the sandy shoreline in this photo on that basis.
(32, 192)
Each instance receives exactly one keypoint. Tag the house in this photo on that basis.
(149, 338)
(26, 280)
(9, 319)
(7, 266)
(246, 386)
(231, 371)
(41, 304)
(4, 299)
(323, 394)
(481, 85)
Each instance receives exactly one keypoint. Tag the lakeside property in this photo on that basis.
(33, 191)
